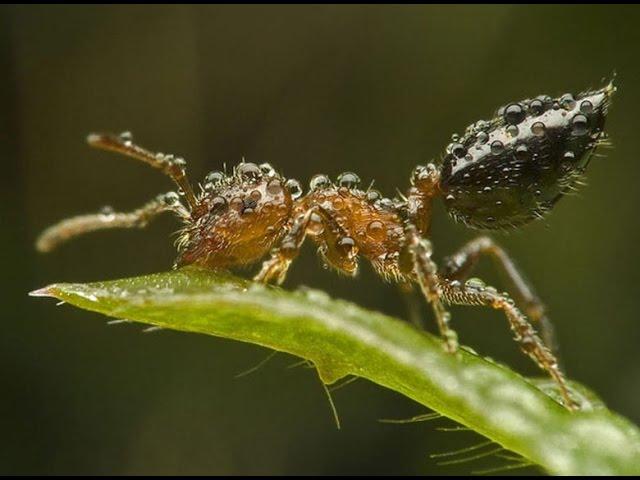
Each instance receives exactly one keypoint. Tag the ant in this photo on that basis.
(499, 174)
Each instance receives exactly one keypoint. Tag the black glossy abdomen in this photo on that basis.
(512, 169)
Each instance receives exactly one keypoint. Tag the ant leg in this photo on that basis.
(281, 257)
(460, 265)
(174, 168)
(426, 270)
(75, 226)
(476, 293)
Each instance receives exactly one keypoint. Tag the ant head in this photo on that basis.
(239, 216)
(514, 168)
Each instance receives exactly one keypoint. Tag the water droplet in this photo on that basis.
(567, 101)
(579, 124)
(107, 213)
(458, 150)
(512, 131)
(386, 203)
(338, 203)
(346, 244)
(315, 226)
(450, 197)
(319, 182)
(514, 113)
(248, 170)
(455, 137)
(218, 203)
(237, 204)
(178, 162)
(214, 178)
(294, 188)
(373, 195)
(570, 156)
(538, 129)
(171, 198)
(348, 180)
(126, 138)
(497, 147)
(536, 107)
(255, 195)
(522, 152)
(274, 187)
(586, 107)
(267, 169)
(481, 125)
(376, 230)
(474, 283)
(482, 138)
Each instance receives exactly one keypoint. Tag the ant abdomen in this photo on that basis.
(512, 169)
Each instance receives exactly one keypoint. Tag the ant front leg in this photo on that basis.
(426, 273)
(460, 265)
(477, 294)
(75, 226)
(277, 266)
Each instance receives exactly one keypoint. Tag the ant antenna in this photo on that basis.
(173, 167)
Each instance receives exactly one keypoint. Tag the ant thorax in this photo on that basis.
(347, 222)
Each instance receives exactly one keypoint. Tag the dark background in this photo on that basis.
(373, 89)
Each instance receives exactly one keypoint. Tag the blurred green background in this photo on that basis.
(373, 89)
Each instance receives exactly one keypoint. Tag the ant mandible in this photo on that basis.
(500, 174)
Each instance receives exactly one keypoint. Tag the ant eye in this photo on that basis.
(294, 188)
(249, 171)
(319, 182)
(348, 180)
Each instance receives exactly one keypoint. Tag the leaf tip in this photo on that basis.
(43, 292)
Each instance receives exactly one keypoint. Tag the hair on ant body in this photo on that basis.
(499, 174)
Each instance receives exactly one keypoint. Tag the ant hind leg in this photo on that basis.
(477, 294)
(76, 226)
(460, 265)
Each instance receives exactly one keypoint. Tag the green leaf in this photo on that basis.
(342, 339)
